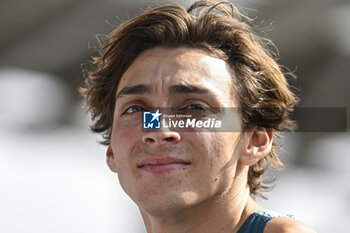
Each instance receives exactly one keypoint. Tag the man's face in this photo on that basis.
(194, 166)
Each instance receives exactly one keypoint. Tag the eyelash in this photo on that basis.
(186, 108)
(202, 108)
(133, 106)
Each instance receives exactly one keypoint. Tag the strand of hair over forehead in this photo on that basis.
(200, 8)
(224, 7)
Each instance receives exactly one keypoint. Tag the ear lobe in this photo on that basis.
(257, 146)
(111, 159)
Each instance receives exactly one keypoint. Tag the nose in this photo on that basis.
(161, 137)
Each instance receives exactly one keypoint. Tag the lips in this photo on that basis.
(162, 165)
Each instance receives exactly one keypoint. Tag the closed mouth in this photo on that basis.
(161, 161)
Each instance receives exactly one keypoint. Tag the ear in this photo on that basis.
(257, 143)
(111, 159)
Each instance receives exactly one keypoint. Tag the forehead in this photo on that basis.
(162, 67)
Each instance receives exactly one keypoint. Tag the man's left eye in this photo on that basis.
(195, 107)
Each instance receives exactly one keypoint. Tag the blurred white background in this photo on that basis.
(53, 174)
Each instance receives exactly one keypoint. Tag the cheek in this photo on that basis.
(123, 141)
(208, 150)
(125, 130)
(220, 151)
(223, 161)
(124, 137)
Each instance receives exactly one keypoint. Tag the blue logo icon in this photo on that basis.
(151, 120)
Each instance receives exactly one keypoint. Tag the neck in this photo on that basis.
(222, 213)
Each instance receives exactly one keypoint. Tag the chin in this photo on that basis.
(161, 203)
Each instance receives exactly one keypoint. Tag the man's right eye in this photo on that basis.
(132, 109)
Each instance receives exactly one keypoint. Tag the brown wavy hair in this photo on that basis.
(218, 28)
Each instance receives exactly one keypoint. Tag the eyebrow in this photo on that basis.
(176, 89)
(183, 89)
(134, 90)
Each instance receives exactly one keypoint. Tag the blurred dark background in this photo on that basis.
(52, 169)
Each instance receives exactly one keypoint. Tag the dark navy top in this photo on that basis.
(257, 221)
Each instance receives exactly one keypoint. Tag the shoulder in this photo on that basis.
(287, 225)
